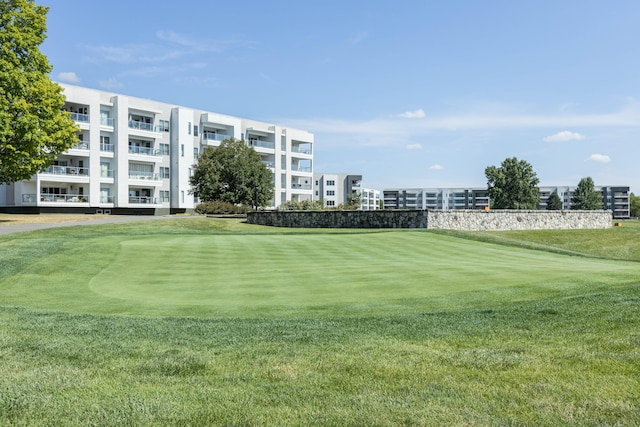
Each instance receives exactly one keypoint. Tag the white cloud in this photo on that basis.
(110, 84)
(436, 168)
(69, 77)
(358, 38)
(599, 158)
(417, 114)
(564, 136)
(413, 146)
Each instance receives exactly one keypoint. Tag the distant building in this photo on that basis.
(614, 198)
(335, 188)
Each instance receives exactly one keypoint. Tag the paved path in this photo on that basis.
(7, 229)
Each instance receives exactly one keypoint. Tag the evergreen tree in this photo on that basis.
(33, 128)
(554, 203)
(585, 197)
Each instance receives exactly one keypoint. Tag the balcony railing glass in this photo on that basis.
(106, 199)
(80, 117)
(145, 151)
(143, 200)
(144, 175)
(269, 164)
(29, 198)
(134, 124)
(66, 170)
(262, 144)
(82, 145)
(106, 147)
(301, 150)
(63, 198)
(106, 173)
(301, 186)
(214, 136)
(106, 121)
(301, 168)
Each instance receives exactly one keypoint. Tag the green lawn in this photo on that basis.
(203, 321)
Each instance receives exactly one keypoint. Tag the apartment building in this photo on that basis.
(614, 198)
(136, 156)
(334, 190)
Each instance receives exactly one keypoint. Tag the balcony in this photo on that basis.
(106, 199)
(269, 164)
(143, 200)
(296, 168)
(107, 121)
(64, 198)
(66, 170)
(257, 143)
(149, 176)
(82, 118)
(301, 186)
(107, 148)
(134, 124)
(301, 150)
(144, 151)
(82, 145)
(106, 173)
(211, 136)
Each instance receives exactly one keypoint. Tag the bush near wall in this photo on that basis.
(219, 207)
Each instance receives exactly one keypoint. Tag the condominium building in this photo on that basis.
(136, 156)
(614, 198)
(334, 190)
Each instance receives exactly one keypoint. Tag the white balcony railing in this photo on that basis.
(301, 150)
(262, 144)
(214, 136)
(82, 145)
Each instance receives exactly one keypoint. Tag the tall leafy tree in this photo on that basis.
(585, 197)
(33, 128)
(513, 185)
(232, 173)
(634, 205)
(553, 202)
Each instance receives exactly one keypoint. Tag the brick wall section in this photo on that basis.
(468, 220)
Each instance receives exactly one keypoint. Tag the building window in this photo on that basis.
(331, 203)
(195, 153)
(317, 182)
(164, 196)
(189, 128)
(182, 150)
(331, 193)
(182, 196)
(331, 182)
(164, 172)
(190, 172)
(164, 125)
(164, 149)
(195, 130)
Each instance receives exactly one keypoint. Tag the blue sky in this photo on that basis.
(406, 93)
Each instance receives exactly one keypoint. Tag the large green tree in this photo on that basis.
(33, 128)
(232, 173)
(634, 205)
(513, 185)
(553, 202)
(585, 197)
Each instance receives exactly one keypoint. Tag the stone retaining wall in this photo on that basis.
(468, 220)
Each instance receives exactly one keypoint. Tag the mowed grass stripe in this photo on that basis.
(234, 273)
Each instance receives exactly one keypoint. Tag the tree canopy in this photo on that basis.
(232, 173)
(553, 202)
(585, 197)
(513, 185)
(634, 202)
(33, 128)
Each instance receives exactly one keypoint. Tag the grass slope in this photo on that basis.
(550, 340)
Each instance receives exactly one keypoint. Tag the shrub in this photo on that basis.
(220, 207)
(305, 205)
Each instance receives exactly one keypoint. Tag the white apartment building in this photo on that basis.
(136, 156)
(614, 198)
(333, 189)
